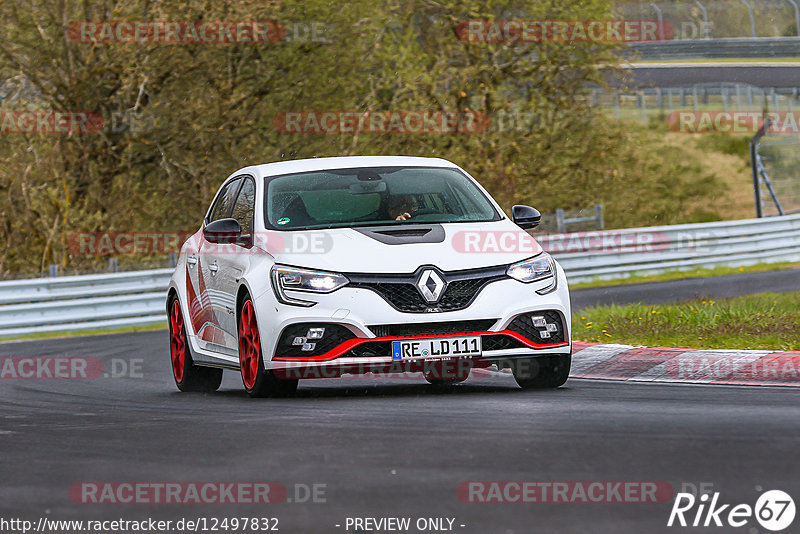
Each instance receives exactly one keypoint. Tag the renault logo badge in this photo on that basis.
(430, 285)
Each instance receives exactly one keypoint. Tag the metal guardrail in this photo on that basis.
(748, 47)
(588, 256)
(83, 302)
(138, 298)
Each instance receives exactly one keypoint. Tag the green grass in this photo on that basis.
(763, 321)
(74, 333)
(691, 273)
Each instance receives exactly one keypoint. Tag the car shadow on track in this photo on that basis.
(333, 390)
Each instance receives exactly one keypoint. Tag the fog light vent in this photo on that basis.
(315, 333)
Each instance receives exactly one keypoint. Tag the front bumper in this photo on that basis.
(370, 320)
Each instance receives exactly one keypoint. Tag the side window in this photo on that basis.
(222, 208)
(245, 206)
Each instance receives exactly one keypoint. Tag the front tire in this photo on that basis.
(187, 375)
(257, 381)
(542, 372)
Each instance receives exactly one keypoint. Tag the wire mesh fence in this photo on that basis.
(715, 19)
(645, 104)
(779, 155)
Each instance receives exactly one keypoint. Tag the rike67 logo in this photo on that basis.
(774, 510)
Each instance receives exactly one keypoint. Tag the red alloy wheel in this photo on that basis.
(249, 345)
(177, 344)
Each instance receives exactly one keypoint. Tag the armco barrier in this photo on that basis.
(138, 298)
(621, 253)
(745, 47)
(83, 302)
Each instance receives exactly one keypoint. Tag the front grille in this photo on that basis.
(334, 336)
(422, 329)
(370, 349)
(524, 325)
(401, 291)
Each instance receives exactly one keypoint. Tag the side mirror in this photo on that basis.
(526, 217)
(224, 231)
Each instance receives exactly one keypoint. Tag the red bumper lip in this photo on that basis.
(342, 348)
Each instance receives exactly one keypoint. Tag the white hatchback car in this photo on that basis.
(364, 265)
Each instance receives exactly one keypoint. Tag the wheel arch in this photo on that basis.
(241, 294)
(171, 293)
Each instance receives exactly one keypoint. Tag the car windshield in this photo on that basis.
(369, 196)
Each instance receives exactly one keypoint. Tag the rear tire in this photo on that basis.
(187, 375)
(542, 372)
(257, 381)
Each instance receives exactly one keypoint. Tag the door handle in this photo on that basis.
(213, 268)
(191, 260)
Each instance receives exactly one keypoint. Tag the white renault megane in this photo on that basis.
(320, 267)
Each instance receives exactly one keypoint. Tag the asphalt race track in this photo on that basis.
(382, 448)
(683, 74)
(733, 285)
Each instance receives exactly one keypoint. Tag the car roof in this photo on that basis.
(345, 162)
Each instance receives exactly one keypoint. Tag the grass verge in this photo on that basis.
(763, 321)
(74, 333)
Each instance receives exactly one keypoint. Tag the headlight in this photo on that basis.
(297, 279)
(534, 269)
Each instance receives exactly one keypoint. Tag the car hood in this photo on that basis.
(403, 248)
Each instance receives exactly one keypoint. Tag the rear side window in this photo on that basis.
(224, 204)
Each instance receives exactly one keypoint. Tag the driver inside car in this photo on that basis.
(402, 207)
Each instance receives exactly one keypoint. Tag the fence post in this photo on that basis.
(644, 106)
(562, 226)
(660, 20)
(796, 15)
(752, 18)
(173, 260)
(53, 269)
(754, 165)
(113, 265)
(598, 213)
(705, 18)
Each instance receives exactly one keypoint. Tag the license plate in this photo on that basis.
(448, 347)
